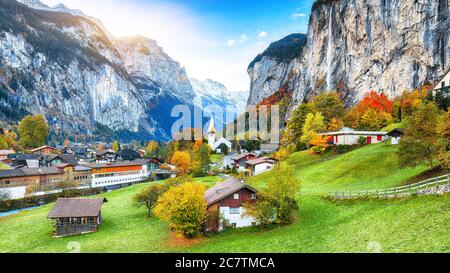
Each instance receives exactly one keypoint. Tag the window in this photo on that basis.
(443, 84)
(234, 210)
(236, 196)
(7, 182)
(253, 196)
(233, 225)
(379, 138)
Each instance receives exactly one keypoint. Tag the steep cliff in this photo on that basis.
(63, 64)
(356, 46)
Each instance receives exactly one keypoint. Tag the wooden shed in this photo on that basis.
(75, 216)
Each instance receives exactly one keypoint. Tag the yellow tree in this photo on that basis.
(66, 143)
(101, 147)
(319, 144)
(183, 207)
(182, 160)
(151, 149)
(335, 124)
(313, 124)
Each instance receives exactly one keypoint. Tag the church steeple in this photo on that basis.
(211, 128)
(211, 133)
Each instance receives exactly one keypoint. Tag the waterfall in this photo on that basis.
(330, 50)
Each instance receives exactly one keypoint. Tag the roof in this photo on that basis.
(24, 157)
(261, 160)
(119, 163)
(42, 147)
(440, 80)
(80, 168)
(241, 156)
(224, 189)
(30, 172)
(6, 152)
(77, 207)
(398, 130)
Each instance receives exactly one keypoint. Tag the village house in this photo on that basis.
(443, 85)
(75, 216)
(239, 161)
(16, 181)
(348, 136)
(115, 175)
(395, 135)
(127, 154)
(225, 205)
(45, 150)
(260, 165)
(105, 156)
(4, 154)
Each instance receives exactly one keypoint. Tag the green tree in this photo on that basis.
(183, 207)
(148, 197)
(202, 160)
(421, 138)
(263, 210)
(313, 124)
(283, 188)
(329, 104)
(295, 124)
(33, 131)
(444, 141)
(116, 146)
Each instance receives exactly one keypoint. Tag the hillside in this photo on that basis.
(417, 224)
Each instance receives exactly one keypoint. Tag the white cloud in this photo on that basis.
(188, 39)
(262, 34)
(297, 15)
(231, 42)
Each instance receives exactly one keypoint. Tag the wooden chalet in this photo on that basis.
(75, 216)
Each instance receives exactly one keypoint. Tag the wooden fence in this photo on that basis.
(426, 186)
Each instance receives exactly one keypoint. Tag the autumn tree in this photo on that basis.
(329, 104)
(283, 189)
(183, 207)
(66, 143)
(182, 160)
(148, 197)
(295, 124)
(420, 141)
(116, 146)
(202, 160)
(319, 144)
(313, 124)
(284, 152)
(335, 124)
(263, 210)
(152, 149)
(444, 141)
(33, 131)
(8, 139)
(101, 147)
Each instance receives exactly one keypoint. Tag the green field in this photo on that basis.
(417, 224)
(4, 166)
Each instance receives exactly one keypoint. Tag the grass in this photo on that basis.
(4, 166)
(416, 224)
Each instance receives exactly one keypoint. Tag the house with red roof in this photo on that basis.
(225, 205)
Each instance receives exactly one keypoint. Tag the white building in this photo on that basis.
(260, 165)
(123, 172)
(443, 83)
(348, 136)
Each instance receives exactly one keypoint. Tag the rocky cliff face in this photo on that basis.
(356, 46)
(63, 64)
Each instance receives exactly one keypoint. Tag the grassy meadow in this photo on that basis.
(416, 224)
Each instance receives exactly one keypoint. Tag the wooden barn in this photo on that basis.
(75, 216)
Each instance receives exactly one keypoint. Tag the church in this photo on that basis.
(220, 145)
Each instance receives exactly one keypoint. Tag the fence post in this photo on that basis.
(426, 186)
(377, 193)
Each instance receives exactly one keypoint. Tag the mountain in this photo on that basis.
(63, 64)
(210, 93)
(356, 46)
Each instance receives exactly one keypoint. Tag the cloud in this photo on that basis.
(262, 34)
(231, 42)
(297, 15)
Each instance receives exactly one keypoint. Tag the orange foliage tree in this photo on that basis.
(182, 160)
(319, 144)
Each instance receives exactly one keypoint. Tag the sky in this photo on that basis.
(212, 39)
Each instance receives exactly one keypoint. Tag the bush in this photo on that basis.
(362, 140)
